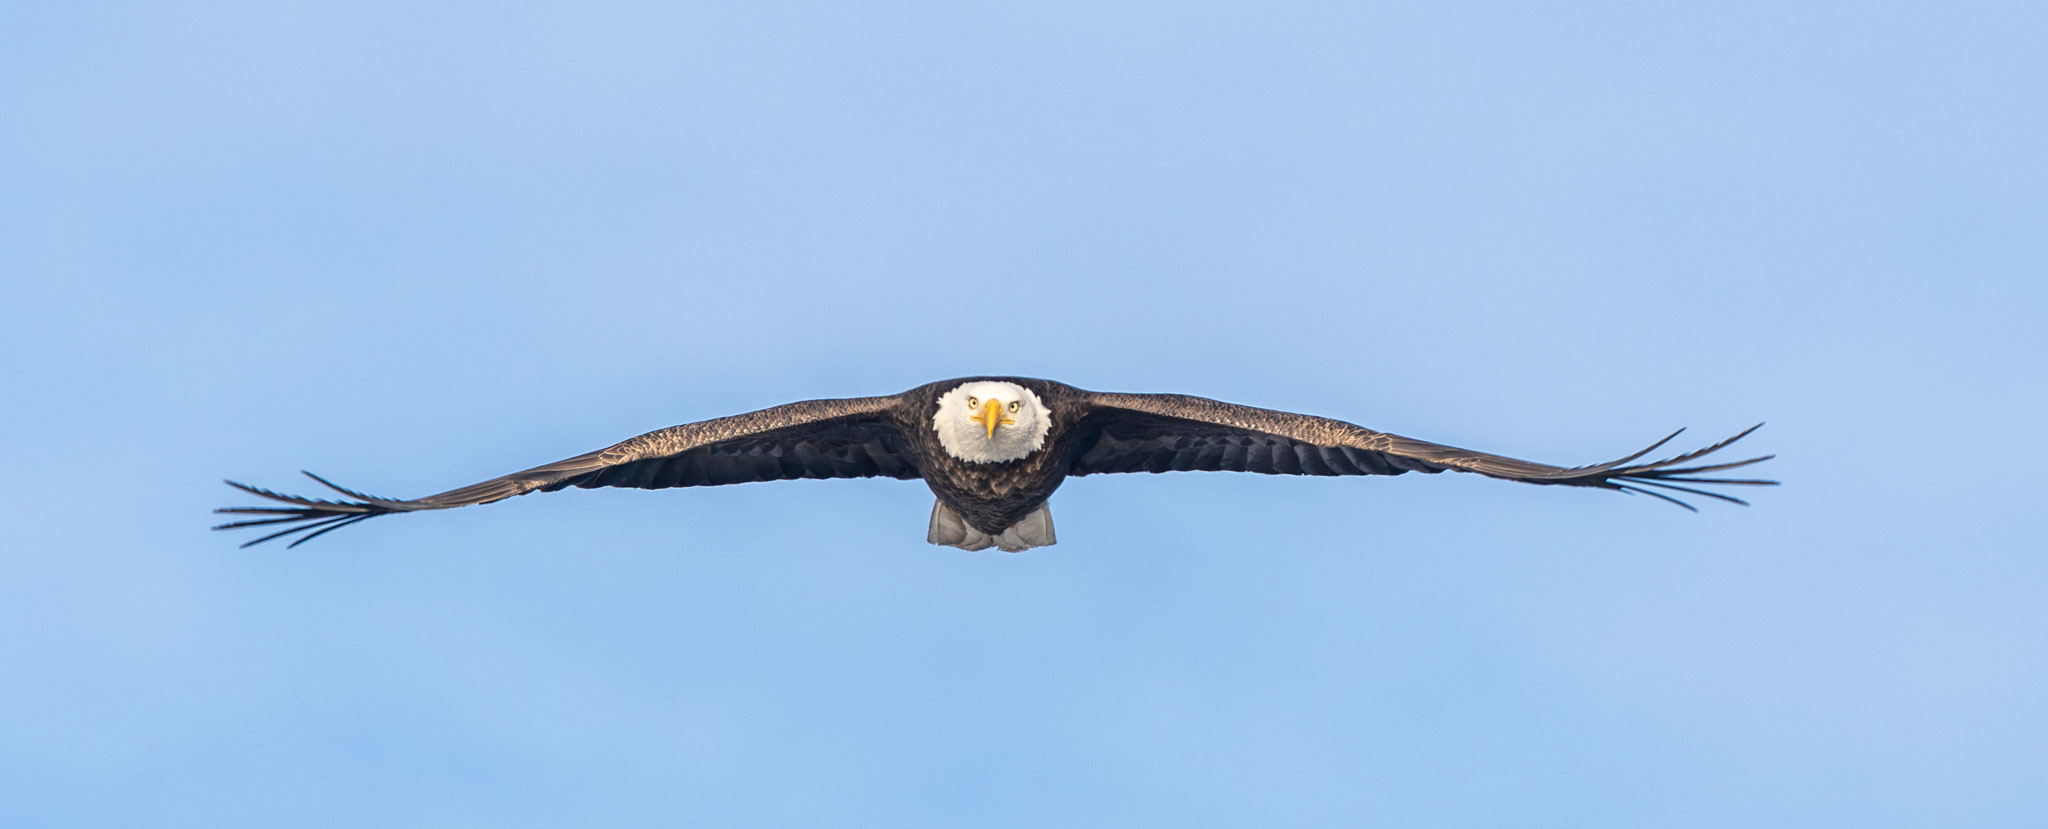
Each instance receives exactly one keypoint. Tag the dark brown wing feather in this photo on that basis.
(851, 438)
(1174, 433)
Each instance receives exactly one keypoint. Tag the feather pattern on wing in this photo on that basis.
(1173, 433)
(847, 438)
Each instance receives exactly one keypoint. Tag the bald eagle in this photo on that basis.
(993, 449)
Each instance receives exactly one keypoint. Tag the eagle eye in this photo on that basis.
(973, 403)
(1015, 405)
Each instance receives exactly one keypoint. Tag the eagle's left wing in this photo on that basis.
(1173, 432)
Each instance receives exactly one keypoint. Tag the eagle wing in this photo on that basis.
(1174, 433)
(847, 438)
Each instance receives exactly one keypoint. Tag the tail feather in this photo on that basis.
(948, 529)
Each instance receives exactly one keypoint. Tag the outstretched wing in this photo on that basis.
(850, 438)
(1174, 433)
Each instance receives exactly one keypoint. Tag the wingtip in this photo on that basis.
(327, 483)
(1632, 490)
(257, 491)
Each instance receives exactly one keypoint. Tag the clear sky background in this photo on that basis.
(413, 246)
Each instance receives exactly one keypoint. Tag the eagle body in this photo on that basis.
(992, 497)
(993, 450)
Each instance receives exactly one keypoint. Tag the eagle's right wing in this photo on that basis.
(847, 438)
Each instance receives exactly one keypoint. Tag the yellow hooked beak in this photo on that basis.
(992, 416)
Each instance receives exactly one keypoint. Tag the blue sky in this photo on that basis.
(414, 247)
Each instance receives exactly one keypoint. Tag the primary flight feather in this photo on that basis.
(993, 449)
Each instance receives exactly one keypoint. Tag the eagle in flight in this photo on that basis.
(993, 450)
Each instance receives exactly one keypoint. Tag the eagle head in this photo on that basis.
(991, 421)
